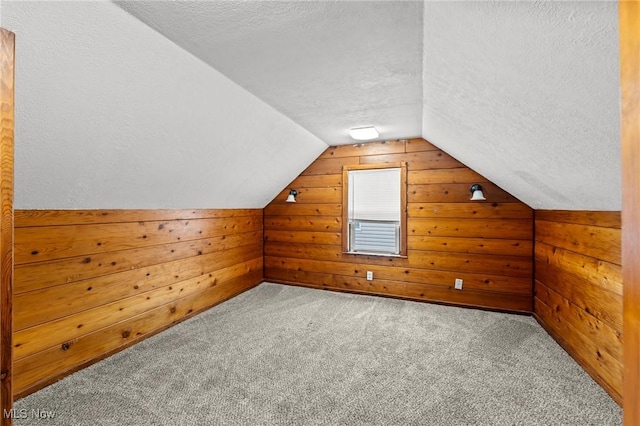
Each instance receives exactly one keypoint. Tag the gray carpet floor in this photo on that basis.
(294, 356)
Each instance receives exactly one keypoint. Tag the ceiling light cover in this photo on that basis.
(364, 133)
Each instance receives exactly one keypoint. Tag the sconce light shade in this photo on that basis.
(364, 133)
(292, 196)
(476, 193)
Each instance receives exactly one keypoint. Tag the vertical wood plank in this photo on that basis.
(7, 56)
(629, 16)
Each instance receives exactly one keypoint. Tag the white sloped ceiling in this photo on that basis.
(111, 114)
(527, 93)
(227, 101)
(328, 65)
(524, 92)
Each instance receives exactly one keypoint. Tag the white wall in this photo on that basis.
(110, 114)
(527, 93)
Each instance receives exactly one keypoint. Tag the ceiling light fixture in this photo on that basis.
(364, 133)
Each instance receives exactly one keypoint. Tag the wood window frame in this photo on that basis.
(402, 165)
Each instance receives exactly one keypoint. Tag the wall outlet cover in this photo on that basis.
(458, 284)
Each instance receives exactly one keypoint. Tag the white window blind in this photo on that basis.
(374, 194)
(374, 210)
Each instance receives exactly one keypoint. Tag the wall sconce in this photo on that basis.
(476, 193)
(292, 196)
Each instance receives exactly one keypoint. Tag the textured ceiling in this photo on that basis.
(113, 114)
(527, 93)
(328, 65)
(524, 92)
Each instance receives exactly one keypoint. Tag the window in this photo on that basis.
(374, 211)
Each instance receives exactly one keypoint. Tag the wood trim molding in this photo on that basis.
(629, 25)
(402, 165)
(345, 210)
(7, 57)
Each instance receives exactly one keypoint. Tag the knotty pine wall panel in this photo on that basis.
(90, 283)
(488, 244)
(578, 289)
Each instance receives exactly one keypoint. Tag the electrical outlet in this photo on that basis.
(369, 275)
(458, 285)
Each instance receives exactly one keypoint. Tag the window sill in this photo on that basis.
(364, 253)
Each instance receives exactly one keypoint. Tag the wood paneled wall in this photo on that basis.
(487, 244)
(578, 289)
(89, 283)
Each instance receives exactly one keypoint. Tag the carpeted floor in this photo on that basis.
(292, 356)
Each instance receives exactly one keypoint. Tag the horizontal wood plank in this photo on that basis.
(511, 229)
(455, 193)
(329, 166)
(419, 144)
(599, 332)
(594, 218)
(355, 150)
(445, 176)
(512, 266)
(316, 181)
(471, 298)
(594, 241)
(31, 218)
(472, 245)
(39, 275)
(470, 210)
(423, 292)
(59, 301)
(416, 160)
(53, 333)
(305, 237)
(303, 223)
(484, 282)
(602, 304)
(302, 209)
(606, 275)
(54, 242)
(325, 195)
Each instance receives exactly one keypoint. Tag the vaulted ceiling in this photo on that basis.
(154, 104)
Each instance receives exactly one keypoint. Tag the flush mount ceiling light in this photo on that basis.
(364, 133)
(476, 193)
